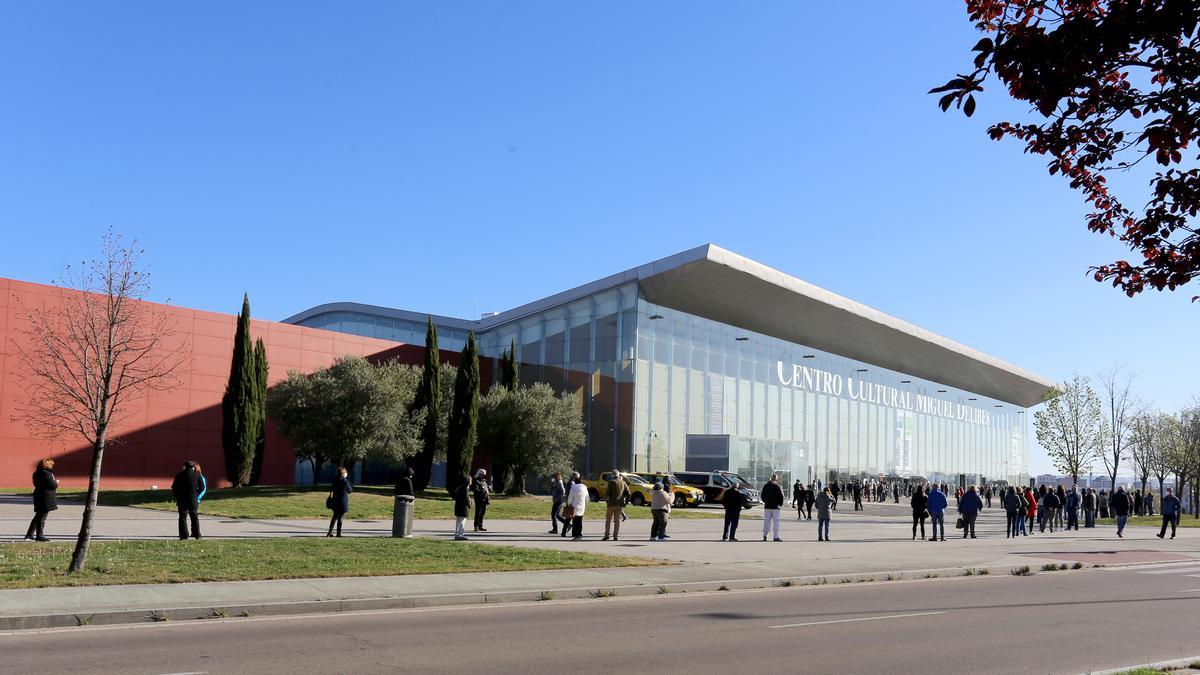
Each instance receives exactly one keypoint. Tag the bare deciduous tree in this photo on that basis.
(1120, 407)
(86, 357)
(1071, 427)
(1143, 435)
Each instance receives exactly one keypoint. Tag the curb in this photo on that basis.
(116, 617)
(1161, 665)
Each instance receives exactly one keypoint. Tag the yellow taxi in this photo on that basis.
(685, 495)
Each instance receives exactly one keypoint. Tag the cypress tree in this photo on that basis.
(240, 425)
(260, 408)
(429, 396)
(508, 367)
(502, 473)
(464, 416)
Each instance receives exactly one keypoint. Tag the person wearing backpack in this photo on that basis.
(1170, 510)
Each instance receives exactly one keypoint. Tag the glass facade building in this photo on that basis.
(658, 382)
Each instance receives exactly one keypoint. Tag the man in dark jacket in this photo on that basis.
(969, 507)
(732, 501)
(1119, 505)
(1170, 513)
(858, 506)
(186, 489)
(1073, 508)
(810, 498)
(558, 494)
(1050, 504)
(1089, 508)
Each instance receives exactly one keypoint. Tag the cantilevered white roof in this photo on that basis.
(717, 284)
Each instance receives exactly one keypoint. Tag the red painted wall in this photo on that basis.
(159, 434)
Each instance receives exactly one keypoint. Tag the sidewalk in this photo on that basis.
(873, 544)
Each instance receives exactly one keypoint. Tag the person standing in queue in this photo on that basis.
(186, 490)
(1089, 507)
(918, 502)
(339, 499)
(617, 497)
(810, 498)
(660, 511)
(936, 505)
(731, 500)
(482, 493)
(1012, 507)
(772, 499)
(1120, 509)
(969, 507)
(1072, 506)
(577, 500)
(825, 504)
(45, 500)
(462, 509)
(558, 494)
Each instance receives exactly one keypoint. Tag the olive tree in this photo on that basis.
(349, 411)
(530, 429)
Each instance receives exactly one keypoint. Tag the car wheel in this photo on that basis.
(593, 495)
(747, 506)
(680, 501)
(638, 499)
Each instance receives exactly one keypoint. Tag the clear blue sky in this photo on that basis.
(462, 157)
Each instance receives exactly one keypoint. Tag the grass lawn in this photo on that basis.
(367, 502)
(1151, 521)
(27, 565)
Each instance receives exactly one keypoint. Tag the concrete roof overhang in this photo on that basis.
(714, 283)
(717, 284)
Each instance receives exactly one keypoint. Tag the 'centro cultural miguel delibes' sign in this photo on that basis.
(832, 384)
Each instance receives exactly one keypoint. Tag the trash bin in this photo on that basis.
(402, 516)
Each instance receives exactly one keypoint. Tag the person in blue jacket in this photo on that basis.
(937, 512)
(969, 507)
(1170, 513)
(203, 483)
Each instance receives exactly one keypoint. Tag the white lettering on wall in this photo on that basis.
(832, 384)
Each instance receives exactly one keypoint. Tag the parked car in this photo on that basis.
(685, 495)
(714, 484)
(639, 489)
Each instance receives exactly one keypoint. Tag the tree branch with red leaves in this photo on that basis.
(1115, 82)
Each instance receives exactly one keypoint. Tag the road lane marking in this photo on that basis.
(1172, 570)
(865, 618)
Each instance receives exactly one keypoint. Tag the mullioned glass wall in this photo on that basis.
(647, 377)
(803, 407)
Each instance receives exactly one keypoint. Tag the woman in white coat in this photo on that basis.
(577, 500)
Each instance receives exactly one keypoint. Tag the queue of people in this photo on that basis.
(1027, 511)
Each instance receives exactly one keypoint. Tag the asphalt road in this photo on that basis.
(1057, 622)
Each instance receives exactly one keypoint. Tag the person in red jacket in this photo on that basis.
(1032, 510)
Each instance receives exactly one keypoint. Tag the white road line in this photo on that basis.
(1191, 590)
(190, 672)
(1171, 570)
(866, 618)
